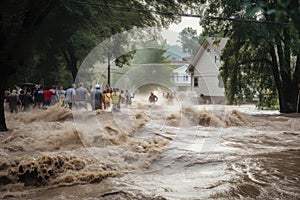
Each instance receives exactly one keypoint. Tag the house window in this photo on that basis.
(195, 81)
(217, 59)
(186, 78)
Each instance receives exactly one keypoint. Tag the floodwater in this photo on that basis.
(158, 151)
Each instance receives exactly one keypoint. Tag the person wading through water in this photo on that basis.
(116, 97)
(152, 98)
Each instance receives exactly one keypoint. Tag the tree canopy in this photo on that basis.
(263, 54)
(190, 40)
(41, 39)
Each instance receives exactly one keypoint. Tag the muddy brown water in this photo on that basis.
(151, 152)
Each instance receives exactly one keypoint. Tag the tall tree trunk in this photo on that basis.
(296, 76)
(287, 89)
(73, 67)
(71, 63)
(108, 70)
(289, 99)
(3, 126)
(6, 69)
(298, 102)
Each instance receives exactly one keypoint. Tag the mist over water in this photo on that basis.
(151, 151)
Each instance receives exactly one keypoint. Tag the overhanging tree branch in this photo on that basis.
(258, 60)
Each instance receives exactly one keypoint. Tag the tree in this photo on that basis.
(249, 80)
(266, 47)
(151, 52)
(32, 39)
(190, 40)
(18, 20)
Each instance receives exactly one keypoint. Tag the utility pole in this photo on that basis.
(108, 69)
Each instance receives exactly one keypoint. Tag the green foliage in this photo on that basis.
(38, 36)
(268, 100)
(261, 56)
(41, 39)
(190, 40)
(244, 73)
(149, 55)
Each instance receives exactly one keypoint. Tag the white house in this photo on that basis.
(181, 79)
(204, 70)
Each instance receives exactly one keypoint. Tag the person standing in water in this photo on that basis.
(38, 96)
(97, 98)
(27, 100)
(82, 96)
(127, 98)
(107, 98)
(70, 96)
(48, 95)
(13, 101)
(61, 96)
(152, 98)
(116, 97)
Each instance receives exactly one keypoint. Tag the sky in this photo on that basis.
(171, 34)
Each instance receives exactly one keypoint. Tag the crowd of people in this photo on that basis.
(76, 96)
(169, 97)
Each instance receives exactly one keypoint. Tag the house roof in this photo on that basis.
(213, 43)
(181, 68)
(217, 44)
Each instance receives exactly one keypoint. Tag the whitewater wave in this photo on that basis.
(142, 144)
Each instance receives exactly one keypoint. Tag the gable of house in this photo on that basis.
(205, 68)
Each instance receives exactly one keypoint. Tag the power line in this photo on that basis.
(129, 9)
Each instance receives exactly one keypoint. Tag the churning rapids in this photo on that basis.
(151, 152)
